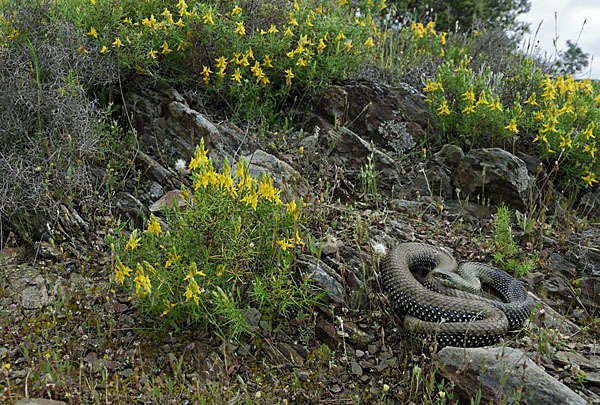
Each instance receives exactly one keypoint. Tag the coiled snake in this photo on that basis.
(464, 319)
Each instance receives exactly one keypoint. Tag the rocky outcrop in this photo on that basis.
(392, 117)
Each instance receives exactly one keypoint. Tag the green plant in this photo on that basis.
(508, 255)
(368, 181)
(231, 248)
(250, 56)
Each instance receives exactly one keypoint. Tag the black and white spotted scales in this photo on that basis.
(461, 320)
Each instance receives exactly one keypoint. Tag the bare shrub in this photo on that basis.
(51, 131)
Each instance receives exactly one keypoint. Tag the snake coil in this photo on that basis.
(464, 319)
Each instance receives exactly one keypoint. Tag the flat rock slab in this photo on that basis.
(502, 373)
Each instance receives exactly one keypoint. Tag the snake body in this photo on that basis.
(461, 319)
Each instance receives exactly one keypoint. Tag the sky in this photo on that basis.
(564, 19)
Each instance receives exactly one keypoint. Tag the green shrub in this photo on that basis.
(556, 119)
(230, 249)
(251, 55)
(508, 256)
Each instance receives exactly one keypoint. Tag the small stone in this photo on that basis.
(359, 353)
(356, 369)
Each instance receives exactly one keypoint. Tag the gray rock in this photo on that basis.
(392, 117)
(284, 176)
(449, 156)
(348, 150)
(39, 401)
(155, 170)
(131, 208)
(506, 177)
(323, 276)
(503, 373)
(28, 283)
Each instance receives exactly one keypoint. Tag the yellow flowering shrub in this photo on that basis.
(253, 55)
(555, 118)
(230, 249)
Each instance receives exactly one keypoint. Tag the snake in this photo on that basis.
(453, 317)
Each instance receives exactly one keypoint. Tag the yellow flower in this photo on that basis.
(179, 22)
(121, 271)
(221, 62)
(590, 178)
(208, 17)
(285, 243)
(482, 99)
(293, 21)
(531, 100)
(369, 42)
(298, 240)
(272, 29)
(165, 48)
(251, 199)
(321, 46)
(289, 75)
(93, 32)
(153, 226)
(340, 36)
(206, 72)
(469, 109)
(236, 10)
(301, 62)
(495, 105)
(152, 53)
(293, 209)
(133, 241)
(512, 126)
(236, 76)
(468, 95)
(348, 45)
(591, 149)
(267, 61)
(589, 131)
(117, 43)
(93, 2)
(443, 108)
(104, 49)
(565, 142)
(288, 32)
(221, 73)
(240, 30)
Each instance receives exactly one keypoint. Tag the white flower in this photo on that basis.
(181, 166)
(379, 248)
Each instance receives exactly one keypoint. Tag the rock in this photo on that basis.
(48, 250)
(167, 201)
(502, 373)
(434, 182)
(505, 179)
(330, 244)
(284, 176)
(449, 156)
(39, 401)
(323, 276)
(590, 293)
(348, 150)
(130, 208)
(356, 369)
(590, 362)
(392, 117)
(29, 284)
(155, 170)
(534, 165)
(325, 332)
